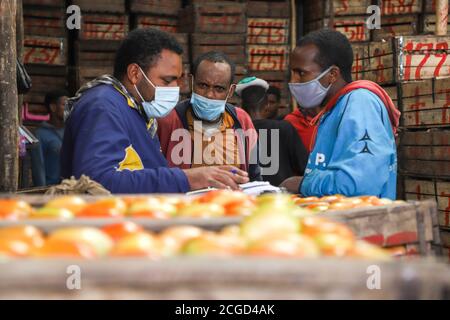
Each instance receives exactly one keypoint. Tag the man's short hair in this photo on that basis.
(254, 98)
(214, 56)
(53, 97)
(143, 47)
(334, 49)
(275, 91)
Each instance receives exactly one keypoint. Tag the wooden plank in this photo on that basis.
(46, 3)
(416, 88)
(168, 24)
(354, 28)
(268, 58)
(426, 153)
(210, 39)
(427, 168)
(420, 186)
(445, 238)
(235, 278)
(392, 92)
(443, 188)
(437, 117)
(400, 7)
(103, 27)
(430, 6)
(268, 31)
(45, 50)
(441, 86)
(425, 138)
(392, 26)
(429, 24)
(418, 103)
(158, 7)
(444, 219)
(423, 57)
(319, 9)
(444, 202)
(110, 6)
(265, 9)
(220, 17)
(235, 53)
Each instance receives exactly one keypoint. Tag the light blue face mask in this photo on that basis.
(207, 109)
(166, 98)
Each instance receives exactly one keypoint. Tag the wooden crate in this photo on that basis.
(45, 50)
(109, 6)
(399, 25)
(430, 6)
(425, 153)
(353, 27)
(92, 53)
(266, 9)
(373, 61)
(45, 3)
(425, 103)
(164, 23)
(443, 199)
(215, 17)
(422, 57)
(44, 21)
(232, 45)
(319, 9)
(445, 236)
(268, 57)
(225, 279)
(400, 7)
(429, 24)
(268, 31)
(156, 7)
(103, 27)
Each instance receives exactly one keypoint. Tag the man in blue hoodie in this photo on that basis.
(353, 146)
(111, 130)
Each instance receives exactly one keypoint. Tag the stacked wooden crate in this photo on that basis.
(45, 53)
(163, 15)
(398, 17)
(424, 155)
(103, 25)
(428, 18)
(344, 16)
(268, 43)
(218, 26)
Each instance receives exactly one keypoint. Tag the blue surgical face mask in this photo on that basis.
(310, 94)
(166, 98)
(205, 108)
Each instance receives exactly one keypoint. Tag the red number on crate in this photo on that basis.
(419, 46)
(441, 46)
(344, 7)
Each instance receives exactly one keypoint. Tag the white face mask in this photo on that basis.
(310, 94)
(166, 98)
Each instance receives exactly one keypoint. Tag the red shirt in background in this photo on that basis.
(302, 123)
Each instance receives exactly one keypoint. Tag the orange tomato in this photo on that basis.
(335, 197)
(239, 208)
(313, 226)
(141, 244)
(57, 248)
(71, 203)
(14, 209)
(305, 200)
(151, 207)
(119, 230)
(14, 247)
(26, 233)
(108, 207)
(318, 206)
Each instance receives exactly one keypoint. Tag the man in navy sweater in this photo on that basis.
(111, 127)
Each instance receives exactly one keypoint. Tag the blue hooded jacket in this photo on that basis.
(107, 140)
(355, 152)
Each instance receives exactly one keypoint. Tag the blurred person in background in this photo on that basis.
(277, 139)
(45, 158)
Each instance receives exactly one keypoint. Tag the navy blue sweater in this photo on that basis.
(108, 141)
